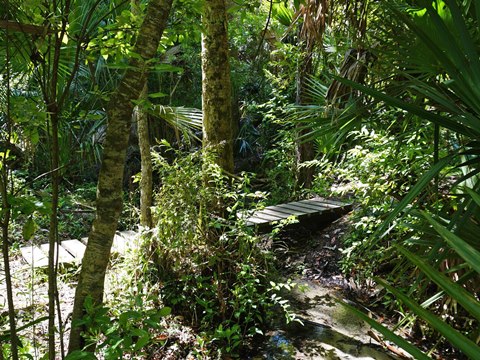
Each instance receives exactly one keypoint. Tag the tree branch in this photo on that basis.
(26, 28)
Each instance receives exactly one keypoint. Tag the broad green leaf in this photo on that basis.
(143, 338)
(29, 229)
(465, 250)
(157, 95)
(388, 334)
(458, 340)
(462, 296)
(165, 311)
(80, 355)
(126, 316)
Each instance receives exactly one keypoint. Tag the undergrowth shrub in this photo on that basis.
(376, 171)
(212, 266)
(122, 332)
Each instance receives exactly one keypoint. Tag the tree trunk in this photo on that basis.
(305, 150)
(146, 181)
(5, 222)
(109, 189)
(54, 110)
(216, 86)
(53, 232)
(6, 208)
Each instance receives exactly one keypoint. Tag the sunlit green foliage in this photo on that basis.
(212, 265)
(440, 242)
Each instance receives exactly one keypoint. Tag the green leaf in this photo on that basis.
(415, 191)
(461, 342)
(282, 14)
(120, 66)
(388, 334)
(29, 229)
(80, 355)
(462, 296)
(157, 95)
(465, 250)
(126, 316)
(165, 311)
(475, 196)
(143, 338)
(162, 68)
(443, 121)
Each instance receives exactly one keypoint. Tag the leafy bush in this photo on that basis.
(119, 335)
(376, 170)
(213, 269)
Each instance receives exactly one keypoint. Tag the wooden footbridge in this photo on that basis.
(316, 210)
(71, 251)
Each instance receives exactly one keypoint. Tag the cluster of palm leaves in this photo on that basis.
(430, 59)
(440, 73)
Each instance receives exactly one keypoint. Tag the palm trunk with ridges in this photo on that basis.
(305, 149)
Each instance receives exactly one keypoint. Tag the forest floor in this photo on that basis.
(307, 255)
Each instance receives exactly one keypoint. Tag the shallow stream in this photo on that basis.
(329, 331)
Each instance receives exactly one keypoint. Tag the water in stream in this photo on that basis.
(315, 341)
(329, 331)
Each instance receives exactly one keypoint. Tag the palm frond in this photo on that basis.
(457, 339)
(186, 120)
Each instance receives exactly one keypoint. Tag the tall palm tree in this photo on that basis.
(313, 18)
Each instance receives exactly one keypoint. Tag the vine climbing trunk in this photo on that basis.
(216, 84)
(109, 189)
(140, 117)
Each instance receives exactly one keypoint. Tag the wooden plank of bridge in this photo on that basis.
(72, 251)
(303, 208)
(76, 248)
(34, 256)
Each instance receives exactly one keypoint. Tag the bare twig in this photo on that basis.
(264, 32)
